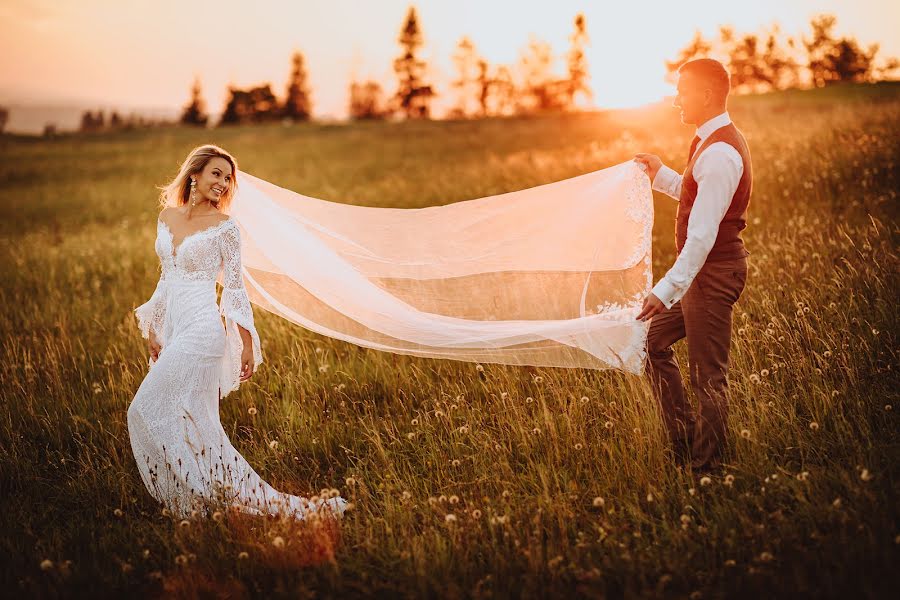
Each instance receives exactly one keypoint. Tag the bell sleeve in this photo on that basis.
(235, 307)
(152, 314)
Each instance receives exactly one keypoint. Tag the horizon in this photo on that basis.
(95, 74)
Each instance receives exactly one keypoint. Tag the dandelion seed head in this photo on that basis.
(754, 378)
(479, 368)
(118, 512)
(865, 475)
(608, 424)
(185, 523)
(704, 481)
(455, 462)
(46, 564)
(251, 411)
(273, 444)
(278, 542)
(745, 433)
(476, 514)
(243, 556)
(598, 502)
(217, 516)
(764, 372)
(450, 518)
(813, 425)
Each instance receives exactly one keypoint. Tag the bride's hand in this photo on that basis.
(247, 363)
(651, 161)
(153, 346)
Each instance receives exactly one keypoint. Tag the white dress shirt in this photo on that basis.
(717, 171)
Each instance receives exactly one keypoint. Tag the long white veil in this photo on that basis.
(549, 276)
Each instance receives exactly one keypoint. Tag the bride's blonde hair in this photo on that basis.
(178, 191)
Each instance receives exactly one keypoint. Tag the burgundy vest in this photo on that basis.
(728, 244)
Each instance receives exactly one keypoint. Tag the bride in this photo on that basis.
(183, 454)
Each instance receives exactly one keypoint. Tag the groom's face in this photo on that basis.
(692, 98)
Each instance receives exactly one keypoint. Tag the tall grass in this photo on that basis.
(502, 482)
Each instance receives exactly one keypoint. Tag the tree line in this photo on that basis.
(761, 62)
(758, 62)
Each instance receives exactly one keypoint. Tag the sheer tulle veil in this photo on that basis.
(548, 276)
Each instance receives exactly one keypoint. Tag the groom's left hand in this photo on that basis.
(652, 306)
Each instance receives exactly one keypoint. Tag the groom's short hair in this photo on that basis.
(711, 72)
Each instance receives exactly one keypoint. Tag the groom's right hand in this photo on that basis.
(651, 161)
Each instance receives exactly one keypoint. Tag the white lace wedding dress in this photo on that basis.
(183, 454)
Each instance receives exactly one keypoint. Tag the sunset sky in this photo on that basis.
(146, 53)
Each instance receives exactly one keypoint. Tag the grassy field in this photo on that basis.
(557, 480)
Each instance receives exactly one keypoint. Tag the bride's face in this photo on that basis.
(215, 179)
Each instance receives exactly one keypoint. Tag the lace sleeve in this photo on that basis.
(235, 304)
(152, 314)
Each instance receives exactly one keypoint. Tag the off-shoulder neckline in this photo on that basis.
(190, 235)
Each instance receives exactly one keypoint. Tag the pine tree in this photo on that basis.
(413, 97)
(297, 104)
(470, 74)
(577, 62)
(195, 112)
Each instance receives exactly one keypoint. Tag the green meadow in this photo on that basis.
(504, 483)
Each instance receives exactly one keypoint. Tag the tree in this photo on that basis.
(413, 97)
(91, 121)
(470, 81)
(255, 105)
(540, 91)
(297, 104)
(503, 93)
(4, 117)
(698, 47)
(831, 60)
(195, 111)
(366, 101)
(577, 63)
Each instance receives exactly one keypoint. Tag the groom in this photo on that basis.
(695, 297)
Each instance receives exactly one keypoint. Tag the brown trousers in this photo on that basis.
(703, 315)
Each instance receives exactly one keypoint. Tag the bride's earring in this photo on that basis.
(193, 192)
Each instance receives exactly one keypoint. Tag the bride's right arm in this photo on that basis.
(152, 313)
